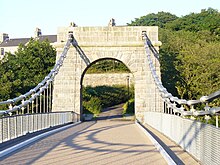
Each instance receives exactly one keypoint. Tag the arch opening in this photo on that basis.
(107, 90)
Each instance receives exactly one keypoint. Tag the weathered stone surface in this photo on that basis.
(108, 79)
(121, 43)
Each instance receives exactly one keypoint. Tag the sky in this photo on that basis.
(20, 18)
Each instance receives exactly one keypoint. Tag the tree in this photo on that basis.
(168, 56)
(205, 20)
(189, 63)
(159, 19)
(108, 66)
(26, 68)
(198, 66)
(189, 55)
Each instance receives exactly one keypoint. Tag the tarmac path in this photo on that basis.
(108, 140)
(95, 142)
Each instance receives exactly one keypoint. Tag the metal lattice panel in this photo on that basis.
(70, 117)
(59, 118)
(56, 118)
(39, 122)
(189, 135)
(63, 119)
(42, 121)
(30, 123)
(51, 120)
(24, 124)
(12, 127)
(215, 152)
(199, 139)
(5, 125)
(16, 126)
(211, 146)
(1, 131)
(19, 126)
(207, 143)
(35, 122)
(45, 120)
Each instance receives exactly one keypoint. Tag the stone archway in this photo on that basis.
(121, 43)
(106, 81)
(110, 82)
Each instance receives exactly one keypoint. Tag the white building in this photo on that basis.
(11, 45)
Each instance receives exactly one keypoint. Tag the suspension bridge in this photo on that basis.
(43, 126)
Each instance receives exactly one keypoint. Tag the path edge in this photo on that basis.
(162, 151)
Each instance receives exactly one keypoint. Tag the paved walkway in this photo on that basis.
(114, 112)
(95, 142)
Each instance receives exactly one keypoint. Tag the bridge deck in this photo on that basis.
(101, 142)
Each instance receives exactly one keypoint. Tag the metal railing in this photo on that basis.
(15, 126)
(199, 139)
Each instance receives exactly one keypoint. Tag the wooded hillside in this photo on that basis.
(190, 51)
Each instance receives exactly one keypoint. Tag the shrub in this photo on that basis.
(128, 107)
(104, 96)
(93, 105)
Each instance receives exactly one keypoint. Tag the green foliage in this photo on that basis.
(199, 67)
(211, 121)
(26, 68)
(190, 53)
(94, 105)
(96, 98)
(168, 56)
(159, 19)
(205, 20)
(189, 63)
(128, 107)
(108, 66)
(192, 43)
